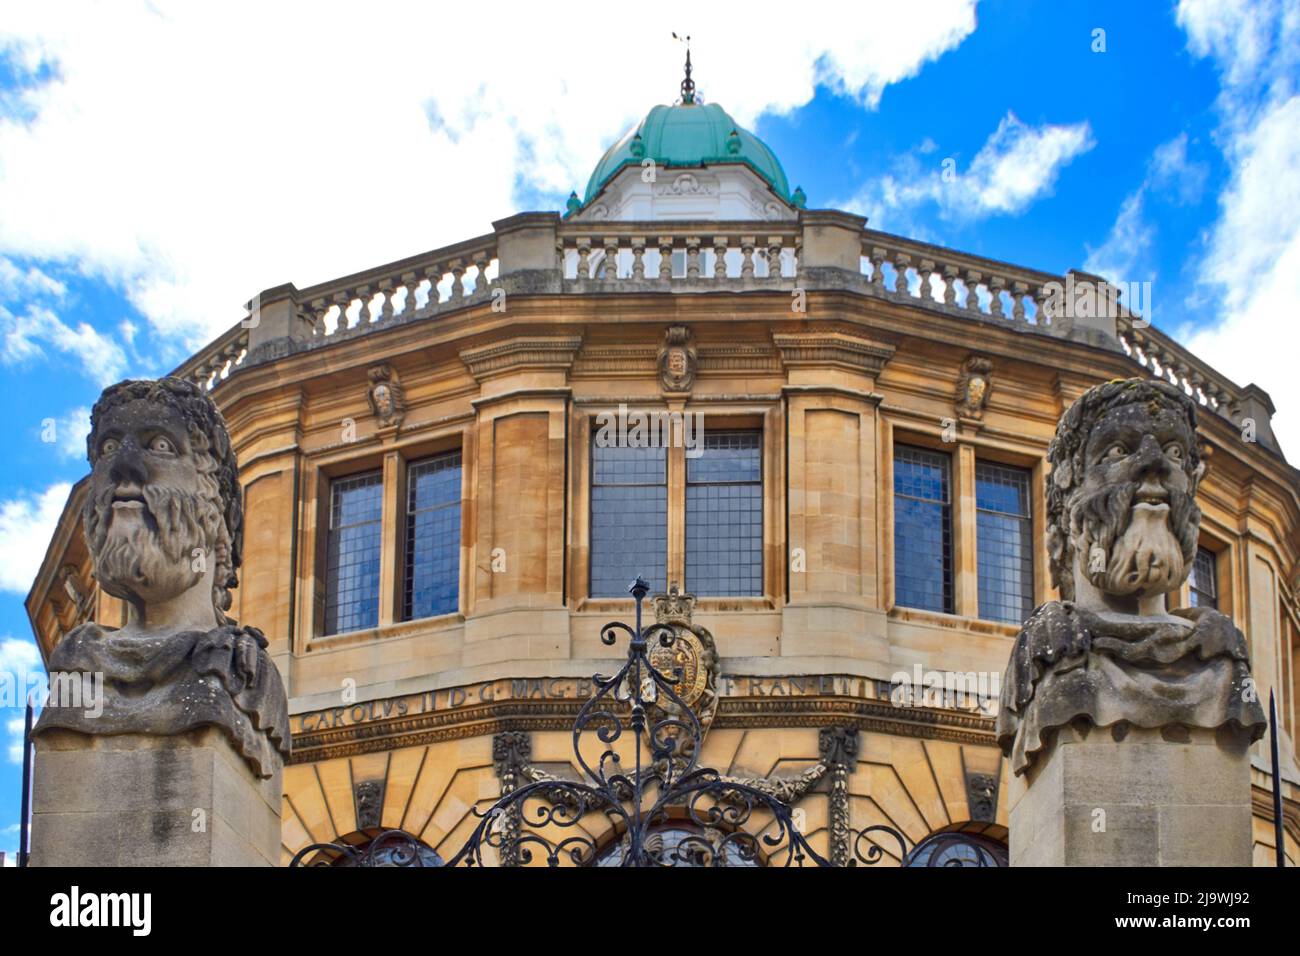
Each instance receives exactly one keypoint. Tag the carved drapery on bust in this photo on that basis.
(163, 522)
(1122, 532)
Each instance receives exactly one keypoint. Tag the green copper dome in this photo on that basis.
(689, 134)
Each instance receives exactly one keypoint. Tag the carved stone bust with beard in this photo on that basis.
(1122, 532)
(163, 521)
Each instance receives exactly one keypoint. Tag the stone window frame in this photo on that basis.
(393, 459)
(763, 416)
(404, 582)
(969, 446)
(374, 533)
(1223, 553)
(1027, 519)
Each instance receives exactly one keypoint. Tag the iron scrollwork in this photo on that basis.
(538, 815)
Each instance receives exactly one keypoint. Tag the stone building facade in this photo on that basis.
(436, 530)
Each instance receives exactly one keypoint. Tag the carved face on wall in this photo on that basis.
(1130, 486)
(973, 386)
(383, 400)
(154, 501)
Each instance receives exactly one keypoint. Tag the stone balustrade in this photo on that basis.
(690, 256)
(419, 286)
(1164, 358)
(822, 250)
(955, 281)
(217, 360)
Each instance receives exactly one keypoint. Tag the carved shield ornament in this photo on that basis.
(677, 360)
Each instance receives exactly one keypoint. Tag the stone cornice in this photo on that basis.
(832, 347)
(521, 352)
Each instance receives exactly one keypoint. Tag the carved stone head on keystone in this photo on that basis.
(164, 514)
(1121, 499)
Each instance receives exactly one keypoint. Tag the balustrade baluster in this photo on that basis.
(342, 300)
(692, 257)
(747, 244)
(877, 260)
(902, 261)
(611, 259)
(366, 310)
(972, 280)
(950, 285)
(774, 258)
(719, 257)
(409, 281)
(584, 257)
(925, 269)
(666, 258)
(317, 312)
(481, 283)
(1018, 292)
(1044, 317)
(434, 275)
(638, 258)
(996, 284)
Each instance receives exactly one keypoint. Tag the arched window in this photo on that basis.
(375, 848)
(684, 844)
(958, 848)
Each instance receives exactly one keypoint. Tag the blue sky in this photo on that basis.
(159, 165)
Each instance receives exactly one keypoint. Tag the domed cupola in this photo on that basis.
(679, 157)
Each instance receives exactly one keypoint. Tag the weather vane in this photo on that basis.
(688, 85)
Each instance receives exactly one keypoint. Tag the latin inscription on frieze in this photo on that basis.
(571, 688)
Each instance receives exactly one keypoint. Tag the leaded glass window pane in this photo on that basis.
(922, 529)
(432, 537)
(1205, 579)
(352, 562)
(724, 515)
(629, 518)
(1003, 533)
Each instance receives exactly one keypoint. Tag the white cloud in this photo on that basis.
(16, 282)
(10, 834)
(1247, 39)
(26, 527)
(1127, 246)
(21, 674)
(1125, 255)
(1171, 172)
(1251, 272)
(1017, 165)
(196, 154)
(24, 337)
(14, 728)
(29, 325)
(70, 432)
(18, 656)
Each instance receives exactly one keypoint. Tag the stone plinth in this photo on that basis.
(1171, 797)
(137, 800)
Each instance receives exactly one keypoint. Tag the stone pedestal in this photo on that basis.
(139, 800)
(1106, 797)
